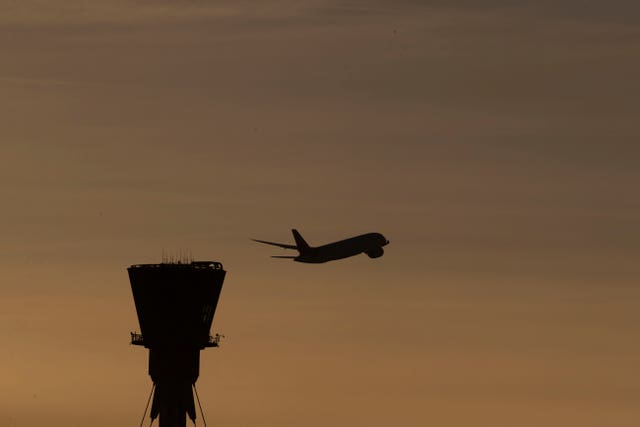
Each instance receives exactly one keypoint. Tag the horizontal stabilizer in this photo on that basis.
(282, 245)
(283, 256)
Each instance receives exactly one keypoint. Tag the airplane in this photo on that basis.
(370, 244)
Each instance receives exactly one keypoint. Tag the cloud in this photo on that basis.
(28, 13)
(83, 12)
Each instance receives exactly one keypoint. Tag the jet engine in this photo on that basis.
(375, 253)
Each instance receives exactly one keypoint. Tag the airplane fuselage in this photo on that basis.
(370, 243)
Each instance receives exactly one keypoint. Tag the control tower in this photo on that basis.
(175, 303)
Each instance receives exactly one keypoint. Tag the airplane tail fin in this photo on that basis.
(300, 242)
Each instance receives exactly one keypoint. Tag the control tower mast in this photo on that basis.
(175, 303)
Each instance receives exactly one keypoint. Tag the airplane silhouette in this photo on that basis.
(370, 244)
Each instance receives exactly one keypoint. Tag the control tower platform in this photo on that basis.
(175, 303)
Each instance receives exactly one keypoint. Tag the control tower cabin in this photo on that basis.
(175, 303)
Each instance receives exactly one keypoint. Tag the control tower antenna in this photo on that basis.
(175, 303)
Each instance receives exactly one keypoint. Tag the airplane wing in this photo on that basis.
(282, 245)
(283, 256)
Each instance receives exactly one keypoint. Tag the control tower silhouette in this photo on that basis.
(175, 303)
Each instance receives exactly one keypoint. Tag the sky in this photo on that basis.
(494, 143)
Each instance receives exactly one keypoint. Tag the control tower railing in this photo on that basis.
(136, 339)
(213, 341)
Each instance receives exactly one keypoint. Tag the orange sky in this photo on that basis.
(495, 146)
